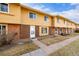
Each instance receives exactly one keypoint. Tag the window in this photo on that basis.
(60, 29)
(60, 32)
(46, 18)
(32, 15)
(2, 28)
(3, 7)
(58, 20)
(44, 30)
(64, 22)
(56, 29)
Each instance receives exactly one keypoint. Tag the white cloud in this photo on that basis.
(74, 4)
(38, 7)
(72, 14)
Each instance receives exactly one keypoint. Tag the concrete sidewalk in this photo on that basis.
(46, 50)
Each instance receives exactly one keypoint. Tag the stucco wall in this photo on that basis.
(38, 21)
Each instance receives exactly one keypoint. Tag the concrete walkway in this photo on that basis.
(46, 50)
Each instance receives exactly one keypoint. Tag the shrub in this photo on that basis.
(7, 38)
(77, 31)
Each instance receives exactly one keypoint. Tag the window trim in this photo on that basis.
(6, 27)
(47, 19)
(42, 28)
(32, 18)
(64, 21)
(8, 8)
(58, 20)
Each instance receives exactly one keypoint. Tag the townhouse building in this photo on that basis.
(10, 18)
(27, 22)
(31, 23)
(63, 25)
(34, 23)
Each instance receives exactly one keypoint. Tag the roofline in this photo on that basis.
(66, 19)
(36, 10)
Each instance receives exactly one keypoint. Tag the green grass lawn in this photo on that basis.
(70, 50)
(18, 49)
(49, 40)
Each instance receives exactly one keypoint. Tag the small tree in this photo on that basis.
(10, 37)
(2, 38)
(7, 38)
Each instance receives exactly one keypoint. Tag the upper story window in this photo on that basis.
(3, 7)
(71, 23)
(64, 22)
(46, 18)
(58, 20)
(32, 15)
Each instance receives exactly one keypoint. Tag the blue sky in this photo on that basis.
(68, 10)
(58, 7)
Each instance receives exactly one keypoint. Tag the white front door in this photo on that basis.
(32, 31)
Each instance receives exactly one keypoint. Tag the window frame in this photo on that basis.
(7, 7)
(2, 29)
(33, 16)
(56, 29)
(58, 20)
(46, 20)
(64, 21)
(43, 30)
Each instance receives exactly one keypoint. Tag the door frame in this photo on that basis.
(32, 35)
